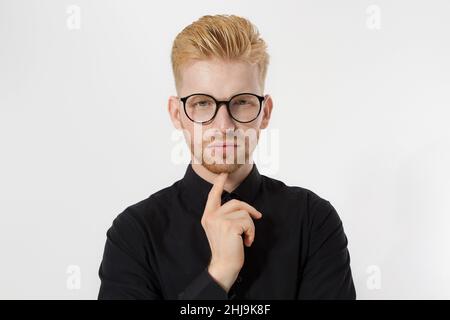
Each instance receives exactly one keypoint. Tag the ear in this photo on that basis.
(267, 111)
(174, 111)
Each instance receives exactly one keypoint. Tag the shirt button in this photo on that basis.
(235, 196)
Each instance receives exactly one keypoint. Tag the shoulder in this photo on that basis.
(279, 188)
(151, 210)
(313, 206)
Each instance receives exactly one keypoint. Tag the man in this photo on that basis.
(224, 231)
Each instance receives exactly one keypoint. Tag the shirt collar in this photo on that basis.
(195, 189)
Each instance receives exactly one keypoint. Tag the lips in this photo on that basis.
(222, 145)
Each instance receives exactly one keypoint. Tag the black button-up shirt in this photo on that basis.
(157, 248)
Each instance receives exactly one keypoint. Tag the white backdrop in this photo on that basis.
(361, 111)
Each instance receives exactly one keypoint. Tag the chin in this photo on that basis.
(221, 168)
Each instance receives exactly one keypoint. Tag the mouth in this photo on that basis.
(223, 145)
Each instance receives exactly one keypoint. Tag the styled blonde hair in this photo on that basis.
(227, 37)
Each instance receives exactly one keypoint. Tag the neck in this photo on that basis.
(234, 179)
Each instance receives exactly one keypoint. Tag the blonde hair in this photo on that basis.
(227, 37)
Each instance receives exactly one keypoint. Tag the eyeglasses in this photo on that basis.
(202, 108)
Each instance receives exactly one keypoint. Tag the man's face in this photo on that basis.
(222, 80)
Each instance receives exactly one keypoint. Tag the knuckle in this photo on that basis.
(241, 214)
(247, 224)
(249, 221)
(236, 228)
(234, 201)
(205, 221)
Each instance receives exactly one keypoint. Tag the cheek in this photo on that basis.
(193, 134)
(250, 133)
(188, 132)
(251, 129)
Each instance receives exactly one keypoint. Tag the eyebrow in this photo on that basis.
(223, 99)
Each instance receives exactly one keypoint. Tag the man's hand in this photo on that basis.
(224, 227)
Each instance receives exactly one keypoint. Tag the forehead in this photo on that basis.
(221, 79)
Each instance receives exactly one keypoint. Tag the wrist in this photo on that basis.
(225, 277)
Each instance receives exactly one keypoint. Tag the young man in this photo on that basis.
(224, 231)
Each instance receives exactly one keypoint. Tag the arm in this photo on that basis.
(204, 287)
(126, 271)
(326, 273)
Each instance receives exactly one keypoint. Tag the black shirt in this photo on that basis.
(157, 248)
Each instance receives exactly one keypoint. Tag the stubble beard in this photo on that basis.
(224, 162)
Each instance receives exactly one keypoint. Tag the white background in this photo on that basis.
(361, 113)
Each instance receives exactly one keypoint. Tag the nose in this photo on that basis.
(223, 121)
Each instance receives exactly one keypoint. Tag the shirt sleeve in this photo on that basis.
(204, 287)
(326, 273)
(127, 270)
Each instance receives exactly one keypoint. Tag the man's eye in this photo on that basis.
(203, 103)
(241, 102)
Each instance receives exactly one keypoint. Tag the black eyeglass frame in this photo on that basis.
(219, 104)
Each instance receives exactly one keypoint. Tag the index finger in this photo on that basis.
(214, 196)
